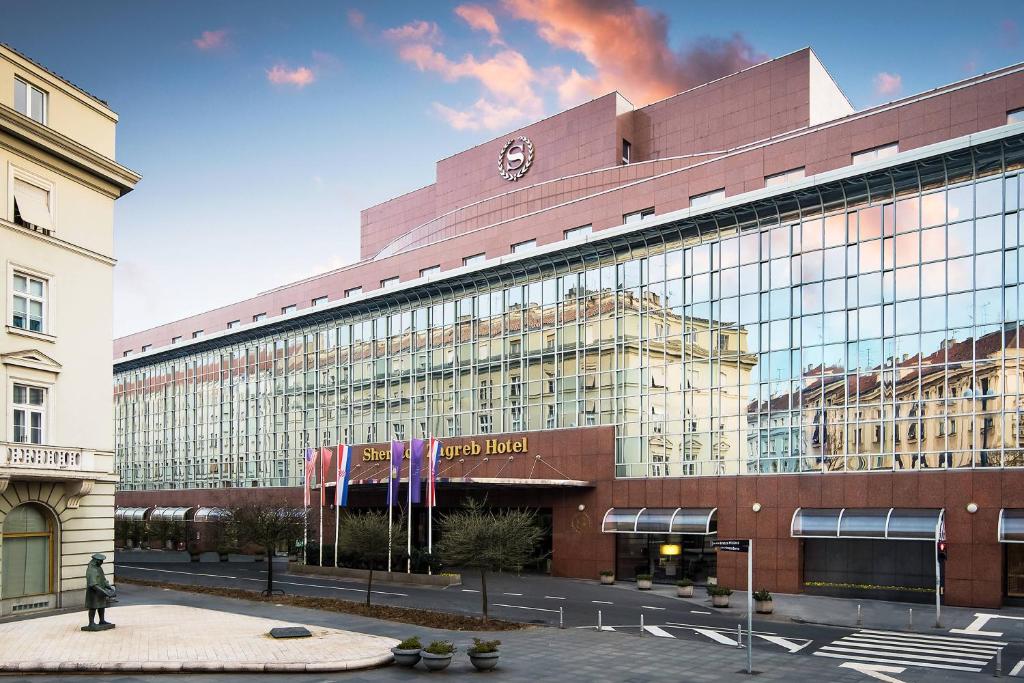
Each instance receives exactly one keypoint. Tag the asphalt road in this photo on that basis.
(544, 600)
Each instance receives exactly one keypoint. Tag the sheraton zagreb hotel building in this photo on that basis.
(744, 311)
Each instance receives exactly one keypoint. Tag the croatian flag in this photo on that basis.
(433, 458)
(310, 469)
(344, 471)
(325, 467)
(394, 470)
(415, 464)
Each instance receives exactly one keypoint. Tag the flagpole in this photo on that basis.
(305, 508)
(430, 501)
(391, 507)
(321, 513)
(338, 474)
(408, 536)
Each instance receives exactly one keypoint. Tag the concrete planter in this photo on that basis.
(764, 606)
(436, 662)
(684, 591)
(643, 584)
(406, 657)
(484, 661)
(607, 579)
(719, 600)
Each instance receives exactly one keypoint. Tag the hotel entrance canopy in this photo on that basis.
(131, 514)
(206, 514)
(894, 524)
(1011, 525)
(693, 521)
(169, 514)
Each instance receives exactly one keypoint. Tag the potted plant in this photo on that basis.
(643, 582)
(763, 602)
(719, 595)
(684, 588)
(607, 577)
(438, 655)
(407, 652)
(193, 552)
(484, 654)
(223, 551)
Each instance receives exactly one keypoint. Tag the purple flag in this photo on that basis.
(415, 463)
(395, 471)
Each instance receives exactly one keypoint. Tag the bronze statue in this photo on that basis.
(98, 594)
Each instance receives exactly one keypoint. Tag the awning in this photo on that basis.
(210, 514)
(169, 514)
(698, 521)
(33, 204)
(131, 514)
(894, 524)
(1011, 525)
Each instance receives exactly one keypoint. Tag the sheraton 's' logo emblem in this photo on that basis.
(515, 159)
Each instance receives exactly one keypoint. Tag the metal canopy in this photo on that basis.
(1011, 525)
(169, 514)
(693, 521)
(204, 514)
(894, 524)
(131, 514)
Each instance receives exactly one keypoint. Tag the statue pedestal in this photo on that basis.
(98, 627)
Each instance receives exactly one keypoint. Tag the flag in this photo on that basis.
(394, 472)
(325, 467)
(415, 463)
(310, 469)
(344, 471)
(433, 458)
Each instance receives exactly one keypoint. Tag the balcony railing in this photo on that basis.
(42, 457)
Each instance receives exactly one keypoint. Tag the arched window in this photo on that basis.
(27, 552)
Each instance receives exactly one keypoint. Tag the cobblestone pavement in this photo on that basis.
(175, 638)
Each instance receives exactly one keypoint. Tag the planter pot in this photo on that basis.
(764, 606)
(223, 557)
(406, 657)
(194, 557)
(643, 584)
(435, 662)
(719, 600)
(484, 661)
(684, 591)
(607, 580)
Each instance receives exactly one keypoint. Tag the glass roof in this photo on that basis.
(894, 524)
(701, 521)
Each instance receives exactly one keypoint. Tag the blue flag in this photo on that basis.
(415, 463)
(394, 471)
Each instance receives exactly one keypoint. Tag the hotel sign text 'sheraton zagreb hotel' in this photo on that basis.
(745, 311)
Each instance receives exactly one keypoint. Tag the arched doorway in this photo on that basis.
(27, 552)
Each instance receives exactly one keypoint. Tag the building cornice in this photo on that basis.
(59, 243)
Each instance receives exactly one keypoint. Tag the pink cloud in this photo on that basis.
(887, 84)
(211, 40)
(356, 19)
(299, 77)
(1009, 33)
(479, 18)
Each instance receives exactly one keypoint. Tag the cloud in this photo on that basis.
(356, 19)
(627, 46)
(887, 84)
(211, 40)
(1009, 33)
(299, 77)
(479, 18)
(419, 31)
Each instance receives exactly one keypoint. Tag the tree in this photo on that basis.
(366, 537)
(266, 525)
(489, 540)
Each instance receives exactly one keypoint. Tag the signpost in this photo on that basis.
(743, 545)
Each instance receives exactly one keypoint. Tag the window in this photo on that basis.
(484, 423)
(126, 353)
(432, 270)
(474, 260)
(176, 340)
(32, 204)
(259, 317)
(146, 347)
(28, 552)
(29, 413)
(875, 153)
(29, 302)
(637, 216)
(581, 231)
(627, 150)
(706, 198)
(285, 310)
(784, 178)
(234, 323)
(525, 245)
(1015, 116)
(319, 301)
(354, 291)
(389, 282)
(30, 100)
(197, 334)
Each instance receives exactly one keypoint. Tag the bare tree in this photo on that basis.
(365, 536)
(267, 525)
(489, 540)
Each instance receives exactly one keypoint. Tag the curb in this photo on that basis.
(35, 667)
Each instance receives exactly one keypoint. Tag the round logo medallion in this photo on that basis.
(515, 159)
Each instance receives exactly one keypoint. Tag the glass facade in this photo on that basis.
(871, 323)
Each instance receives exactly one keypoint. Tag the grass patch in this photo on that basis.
(404, 615)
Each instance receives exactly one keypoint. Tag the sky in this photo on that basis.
(261, 128)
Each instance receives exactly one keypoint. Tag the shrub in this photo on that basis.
(643, 577)
(607, 572)
(762, 595)
(719, 590)
(411, 644)
(440, 647)
(484, 646)
(684, 583)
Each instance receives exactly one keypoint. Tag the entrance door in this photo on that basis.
(27, 552)
(1014, 570)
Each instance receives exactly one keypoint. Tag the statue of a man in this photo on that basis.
(98, 594)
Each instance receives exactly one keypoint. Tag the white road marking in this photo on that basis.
(716, 636)
(924, 636)
(247, 578)
(469, 590)
(553, 597)
(836, 655)
(602, 602)
(786, 643)
(650, 607)
(171, 571)
(340, 588)
(518, 595)
(973, 660)
(535, 609)
(912, 649)
(1016, 669)
(658, 631)
(876, 671)
(975, 628)
(698, 611)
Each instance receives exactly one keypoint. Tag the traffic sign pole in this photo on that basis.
(750, 607)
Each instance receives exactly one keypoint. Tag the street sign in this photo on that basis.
(733, 545)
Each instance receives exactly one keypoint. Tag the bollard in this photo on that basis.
(739, 636)
(641, 623)
(910, 619)
(860, 621)
(999, 663)
(598, 620)
(561, 617)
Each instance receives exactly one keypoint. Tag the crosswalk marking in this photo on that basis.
(784, 643)
(913, 649)
(658, 631)
(716, 636)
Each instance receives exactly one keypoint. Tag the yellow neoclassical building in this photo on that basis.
(58, 184)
